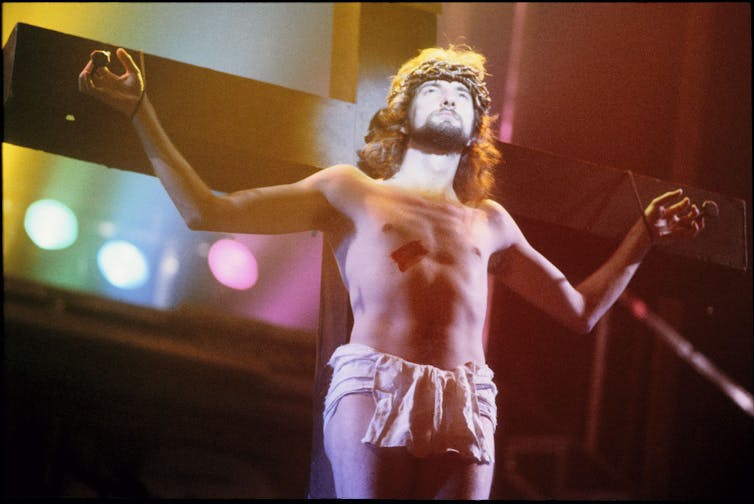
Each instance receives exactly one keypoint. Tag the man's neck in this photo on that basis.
(431, 174)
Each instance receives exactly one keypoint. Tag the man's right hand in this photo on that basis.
(120, 92)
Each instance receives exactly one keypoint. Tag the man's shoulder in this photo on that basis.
(342, 173)
(498, 216)
(494, 209)
(501, 224)
(343, 170)
(344, 185)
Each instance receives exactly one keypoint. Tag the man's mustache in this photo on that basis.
(446, 110)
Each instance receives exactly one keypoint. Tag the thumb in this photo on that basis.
(127, 61)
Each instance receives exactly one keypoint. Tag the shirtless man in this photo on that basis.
(411, 408)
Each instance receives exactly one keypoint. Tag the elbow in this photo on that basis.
(586, 326)
(193, 224)
(197, 216)
(197, 222)
(582, 324)
(585, 315)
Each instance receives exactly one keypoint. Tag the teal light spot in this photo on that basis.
(123, 264)
(51, 225)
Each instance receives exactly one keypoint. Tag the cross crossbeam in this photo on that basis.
(256, 134)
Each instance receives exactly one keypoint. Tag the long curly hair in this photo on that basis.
(387, 138)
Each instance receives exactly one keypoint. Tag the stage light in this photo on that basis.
(51, 225)
(232, 264)
(123, 264)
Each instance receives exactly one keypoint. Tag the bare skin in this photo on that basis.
(414, 260)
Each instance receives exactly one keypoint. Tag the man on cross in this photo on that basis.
(410, 411)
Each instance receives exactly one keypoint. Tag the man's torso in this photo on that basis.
(416, 271)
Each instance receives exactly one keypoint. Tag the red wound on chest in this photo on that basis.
(409, 254)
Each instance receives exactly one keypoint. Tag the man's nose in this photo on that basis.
(449, 101)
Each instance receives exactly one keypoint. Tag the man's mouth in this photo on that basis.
(447, 113)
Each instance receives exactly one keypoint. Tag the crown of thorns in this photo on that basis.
(443, 70)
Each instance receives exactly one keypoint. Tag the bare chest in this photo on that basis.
(415, 233)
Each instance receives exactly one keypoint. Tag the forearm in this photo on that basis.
(601, 289)
(184, 186)
(535, 278)
(277, 209)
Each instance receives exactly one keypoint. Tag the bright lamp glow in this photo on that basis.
(232, 264)
(51, 225)
(123, 264)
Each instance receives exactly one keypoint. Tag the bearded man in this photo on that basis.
(410, 411)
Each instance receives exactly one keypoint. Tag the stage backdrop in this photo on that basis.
(107, 213)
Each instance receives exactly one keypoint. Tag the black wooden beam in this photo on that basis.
(237, 132)
(601, 201)
(241, 133)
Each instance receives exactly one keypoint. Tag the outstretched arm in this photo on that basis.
(531, 275)
(279, 209)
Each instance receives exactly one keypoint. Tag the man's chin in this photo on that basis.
(440, 140)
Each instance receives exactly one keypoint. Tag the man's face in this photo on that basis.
(441, 116)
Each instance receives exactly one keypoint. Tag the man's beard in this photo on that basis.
(440, 136)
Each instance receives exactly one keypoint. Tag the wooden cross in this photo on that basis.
(296, 133)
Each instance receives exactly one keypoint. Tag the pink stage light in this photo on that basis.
(232, 264)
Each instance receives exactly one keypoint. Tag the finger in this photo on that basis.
(657, 212)
(665, 199)
(82, 81)
(89, 66)
(127, 61)
(86, 84)
(700, 225)
(691, 214)
(693, 223)
(679, 209)
(687, 230)
(104, 73)
(694, 229)
(89, 85)
(84, 75)
(658, 207)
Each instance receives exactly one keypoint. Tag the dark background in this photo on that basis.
(105, 399)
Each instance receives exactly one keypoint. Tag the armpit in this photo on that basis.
(497, 264)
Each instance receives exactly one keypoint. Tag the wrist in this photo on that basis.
(647, 226)
(137, 107)
(647, 229)
(643, 238)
